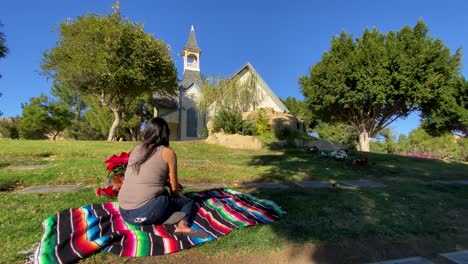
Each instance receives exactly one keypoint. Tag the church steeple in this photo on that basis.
(191, 53)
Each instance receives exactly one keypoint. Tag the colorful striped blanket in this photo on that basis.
(77, 233)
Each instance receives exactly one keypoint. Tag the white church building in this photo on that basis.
(185, 121)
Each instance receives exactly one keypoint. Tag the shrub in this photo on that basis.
(231, 123)
(9, 129)
(261, 123)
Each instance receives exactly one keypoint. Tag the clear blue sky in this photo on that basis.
(281, 39)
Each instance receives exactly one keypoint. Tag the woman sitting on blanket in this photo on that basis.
(152, 166)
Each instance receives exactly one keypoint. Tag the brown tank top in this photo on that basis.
(140, 188)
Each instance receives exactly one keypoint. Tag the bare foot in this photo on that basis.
(182, 230)
(191, 233)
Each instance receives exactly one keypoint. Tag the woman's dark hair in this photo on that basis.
(156, 134)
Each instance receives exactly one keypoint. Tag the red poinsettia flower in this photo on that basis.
(116, 161)
(117, 166)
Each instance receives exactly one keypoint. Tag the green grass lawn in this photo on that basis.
(411, 208)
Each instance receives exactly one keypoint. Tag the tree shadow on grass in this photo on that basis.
(297, 164)
(409, 217)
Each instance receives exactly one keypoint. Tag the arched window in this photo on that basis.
(192, 122)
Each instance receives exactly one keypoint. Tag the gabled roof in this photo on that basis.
(191, 77)
(164, 100)
(269, 92)
(192, 42)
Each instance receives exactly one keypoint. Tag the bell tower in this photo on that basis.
(191, 53)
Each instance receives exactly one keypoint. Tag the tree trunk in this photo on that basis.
(114, 126)
(133, 133)
(364, 141)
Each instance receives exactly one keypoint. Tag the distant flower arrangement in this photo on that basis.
(361, 162)
(117, 166)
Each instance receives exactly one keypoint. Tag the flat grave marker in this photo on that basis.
(460, 257)
(31, 167)
(264, 185)
(51, 188)
(414, 260)
(314, 184)
(462, 182)
(442, 182)
(363, 184)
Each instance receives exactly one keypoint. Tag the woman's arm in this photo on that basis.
(170, 158)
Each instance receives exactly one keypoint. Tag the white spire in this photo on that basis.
(192, 29)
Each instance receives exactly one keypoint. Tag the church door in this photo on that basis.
(191, 122)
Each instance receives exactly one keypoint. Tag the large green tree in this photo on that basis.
(112, 59)
(370, 81)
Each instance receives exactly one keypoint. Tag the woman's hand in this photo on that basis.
(180, 187)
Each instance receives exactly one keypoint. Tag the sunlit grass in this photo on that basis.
(409, 207)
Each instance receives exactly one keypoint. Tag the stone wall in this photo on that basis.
(235, 141)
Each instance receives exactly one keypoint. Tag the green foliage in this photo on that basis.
(419, 141)
(70, 97)
(283, 133)
(370, 81)
(299, 109)
(447, 111)
(3, 51)
(340, 132)
(463, 149)
(42, 116)
(205, 132)
(59, 118)
(137, 111)
(386, 142)
(80, 129)
(403, 144)
(111, 59)
(98, 116)
(10, 128)
(231, 123)
(232, 94)
(3, 47)
(33, 125)
(261, 122)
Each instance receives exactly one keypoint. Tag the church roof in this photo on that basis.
(191, 77)
(267, 89)
(192, 41)
(165, 100)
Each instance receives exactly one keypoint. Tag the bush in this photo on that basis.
(231, 123)
(283, 133)
(9, 129)
(205, 132)
(261, 123)
(248, 129)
